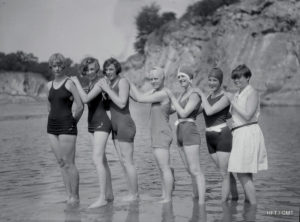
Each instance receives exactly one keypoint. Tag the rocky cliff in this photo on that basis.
(263, 34)
(18, 87)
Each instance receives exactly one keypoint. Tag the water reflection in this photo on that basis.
(133, 212)
(229, 209)
(25, 156)
(199, 212)
(103, 214)
(167, 214)
(249, 212)
(72, 214)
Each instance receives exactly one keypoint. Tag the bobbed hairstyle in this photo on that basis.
(216, 73)
(241, 70)
(86, 62)
(57, 59)
(113, 61)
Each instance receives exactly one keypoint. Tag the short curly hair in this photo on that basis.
(113, 61)
(87, 61)
(241, 70)
(57, 59)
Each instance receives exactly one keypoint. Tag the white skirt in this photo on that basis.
(248, 154)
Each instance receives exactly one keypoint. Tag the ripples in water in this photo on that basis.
(31, 187)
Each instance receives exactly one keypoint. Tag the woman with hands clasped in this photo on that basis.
(218, 135)
(123, 126)
(161, 132)
(188, 137)
(99, 126)
(248, 154)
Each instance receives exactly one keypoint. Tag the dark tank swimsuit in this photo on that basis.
(123, 126)
(60, 119)
(218, 140)
(187, 132)
(98, 119)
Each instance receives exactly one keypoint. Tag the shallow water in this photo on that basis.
(31, 187)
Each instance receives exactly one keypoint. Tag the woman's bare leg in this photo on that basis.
(192, 154)
(162, 157)
(99, 145)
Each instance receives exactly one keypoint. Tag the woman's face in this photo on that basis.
(240, 81)
(156, 80)
(111, 72)
(57, 69)
(91, 71)
(213, 84)
(184, 81)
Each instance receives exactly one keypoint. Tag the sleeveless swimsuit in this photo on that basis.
(248, 154)
(98, 119)
(123, 127)
(60, 119)
(187, 132)
(220, 140)
(161, 132)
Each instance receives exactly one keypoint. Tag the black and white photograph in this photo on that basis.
(149, 110)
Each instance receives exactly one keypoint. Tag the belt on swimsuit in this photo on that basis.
(217, 128)
(184, 120)
(246, 124)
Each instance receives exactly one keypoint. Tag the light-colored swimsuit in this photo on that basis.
(161, 132)
(248, 154)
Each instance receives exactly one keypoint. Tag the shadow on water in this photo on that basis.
(167, 214)
(72, 214)
(229, 209)
(104, 214)
(133, 212)
(230, 212)
(249, 213)
(199, 212)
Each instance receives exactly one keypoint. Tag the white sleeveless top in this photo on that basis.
(241, 100)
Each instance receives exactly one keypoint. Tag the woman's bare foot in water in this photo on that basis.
(165, 200)
(98, 203)
(131, 197)
(73, 201)
(110, 198)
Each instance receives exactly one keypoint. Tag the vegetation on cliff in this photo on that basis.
(263, 34)
(147, 21)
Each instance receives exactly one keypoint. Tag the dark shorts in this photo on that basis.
(64, 126)
(101, 125)
(219, 141)
(123, 130)
(187, 134)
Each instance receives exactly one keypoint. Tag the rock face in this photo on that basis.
(18, 86)
(263, 34)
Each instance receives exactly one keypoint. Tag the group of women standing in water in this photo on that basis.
(239, 150)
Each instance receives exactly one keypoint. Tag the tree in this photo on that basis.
(147, 21)
(167, 17)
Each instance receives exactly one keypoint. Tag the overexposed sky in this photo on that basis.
(76, 28)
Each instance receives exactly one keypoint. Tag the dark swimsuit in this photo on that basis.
(98, 119)
(218, 141)
(123, 127)
(60, 119)
(187, 132)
